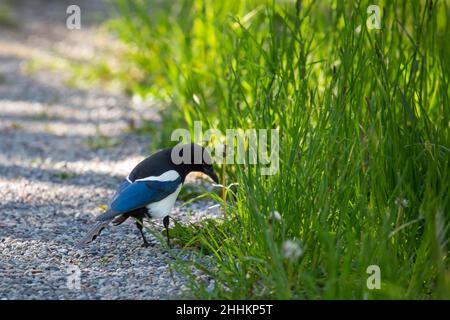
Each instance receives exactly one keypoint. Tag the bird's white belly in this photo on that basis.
(163, 207)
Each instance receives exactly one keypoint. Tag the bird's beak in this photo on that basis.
(212, 174)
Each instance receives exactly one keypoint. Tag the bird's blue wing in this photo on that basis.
(141, 193)
(121, 187)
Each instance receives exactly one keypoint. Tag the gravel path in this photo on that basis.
(52, 183)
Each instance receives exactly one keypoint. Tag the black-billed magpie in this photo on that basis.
(152, 187)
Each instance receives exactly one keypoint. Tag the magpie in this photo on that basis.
(152, 187)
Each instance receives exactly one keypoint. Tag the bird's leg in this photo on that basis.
(140, 227)
(166, 222)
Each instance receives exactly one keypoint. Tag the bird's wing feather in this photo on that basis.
(93, 233)
(121, 187)
(137, 195)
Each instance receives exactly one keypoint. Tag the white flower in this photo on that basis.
(388, 212)
(196, 99)
(275, 215)
(291, 250)
(402, 203)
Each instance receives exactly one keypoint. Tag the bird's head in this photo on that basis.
(192, 157)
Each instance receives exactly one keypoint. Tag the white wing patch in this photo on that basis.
(162, 208)
(166, 176)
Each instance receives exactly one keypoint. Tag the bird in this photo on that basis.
(151, 189)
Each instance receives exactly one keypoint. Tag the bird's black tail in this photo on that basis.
(93, 233)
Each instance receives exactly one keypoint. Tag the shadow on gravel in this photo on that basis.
(63, 225)
(23, 118)
(45, 90)
(53, 220)
(36, 145)
(89, 178)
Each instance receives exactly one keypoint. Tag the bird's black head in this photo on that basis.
(192, 157)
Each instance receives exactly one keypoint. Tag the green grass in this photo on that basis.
(364, 120)
(64, 175)
(101, 141)
(7, 18)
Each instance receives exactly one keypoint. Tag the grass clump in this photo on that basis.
(7, 18)
(101, 141)
(363, 117)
